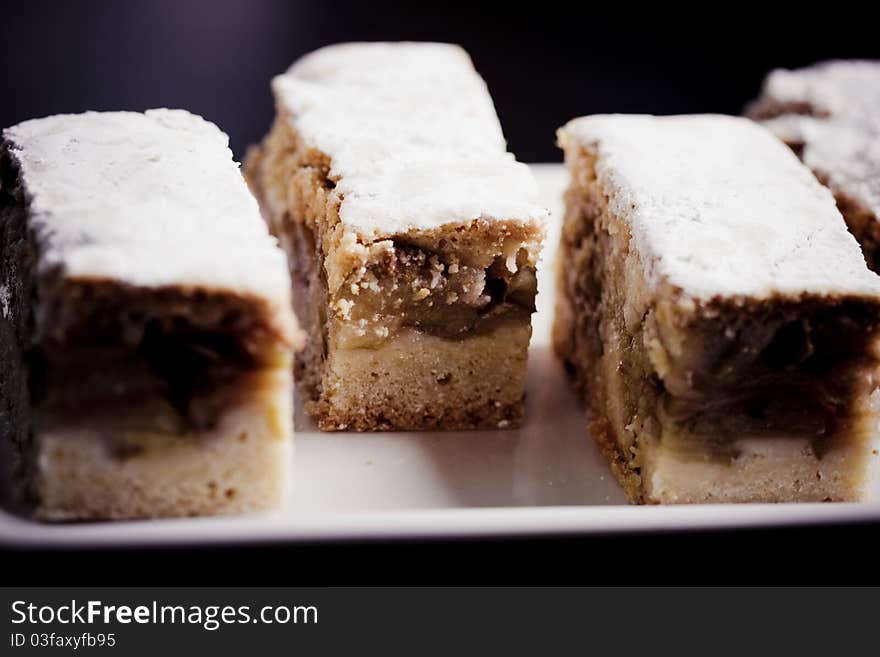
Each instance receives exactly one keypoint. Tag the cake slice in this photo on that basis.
(830, 115)
(412, 234)
(146, 333)
(716, 313)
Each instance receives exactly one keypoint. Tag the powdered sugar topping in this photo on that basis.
(718, 207)
(150, 199)
(412, 134)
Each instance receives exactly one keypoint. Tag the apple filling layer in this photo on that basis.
(775, 372)
(435, 294)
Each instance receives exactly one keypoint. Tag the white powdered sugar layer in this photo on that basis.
(837, 89)
(717, 206)
(832, 112)
(845, 154)
(412, 134)
(152, 199)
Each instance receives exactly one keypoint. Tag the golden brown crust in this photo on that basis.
(586, 380)
(599, 427)
(389, 418)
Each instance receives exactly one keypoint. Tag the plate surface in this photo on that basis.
(546, 477)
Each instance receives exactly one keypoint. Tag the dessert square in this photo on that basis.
(829, 114)
(146, 333)
(715, 313)
(413, 238)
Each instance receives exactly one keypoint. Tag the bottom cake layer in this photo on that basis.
(764, 470)
(418, 381)
(87, 470)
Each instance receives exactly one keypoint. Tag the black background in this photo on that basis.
(544, 64)
(844, 554)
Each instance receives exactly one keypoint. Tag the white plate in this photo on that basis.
(547, 477)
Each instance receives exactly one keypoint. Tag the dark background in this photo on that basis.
(544, 64)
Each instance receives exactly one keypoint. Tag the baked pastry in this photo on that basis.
(146, 328)
(413, 238)
(830, 115)
(715, 312)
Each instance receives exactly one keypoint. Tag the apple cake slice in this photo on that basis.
(715, 312)
(412, 234)
(146, 333)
